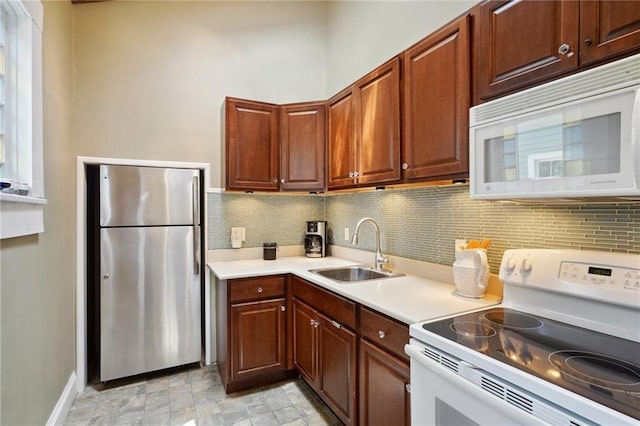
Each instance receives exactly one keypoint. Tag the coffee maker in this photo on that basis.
(315, 240)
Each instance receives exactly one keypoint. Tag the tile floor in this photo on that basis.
(195, 397)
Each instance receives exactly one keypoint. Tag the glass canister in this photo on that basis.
(269, 251)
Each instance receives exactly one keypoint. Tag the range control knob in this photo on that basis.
(510, 265)
(526, 266)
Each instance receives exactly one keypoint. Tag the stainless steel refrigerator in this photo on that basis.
(150, 300)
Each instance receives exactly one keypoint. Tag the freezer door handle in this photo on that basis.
(196, 201)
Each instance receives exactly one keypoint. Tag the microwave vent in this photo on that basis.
(606, 78)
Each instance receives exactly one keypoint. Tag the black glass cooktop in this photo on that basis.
(597, 366)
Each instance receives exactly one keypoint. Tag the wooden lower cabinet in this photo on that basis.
(325, 354)
(274, 327)
(257, 331)
(383, 390)
(305, 341)
(337, 368)
(252, 332)
(325, 348)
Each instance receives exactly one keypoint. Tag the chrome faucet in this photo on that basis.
(380, 259)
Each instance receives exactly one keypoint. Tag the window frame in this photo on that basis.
(24, 214)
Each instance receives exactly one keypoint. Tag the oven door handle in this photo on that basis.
(520, 417)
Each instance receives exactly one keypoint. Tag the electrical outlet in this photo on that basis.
(346, 234)
(238, 233)
(237, 237)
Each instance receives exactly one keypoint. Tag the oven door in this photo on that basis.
(441, 397)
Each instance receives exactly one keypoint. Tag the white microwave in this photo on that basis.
(577, 137)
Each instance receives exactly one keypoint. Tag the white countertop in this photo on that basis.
(409, 299)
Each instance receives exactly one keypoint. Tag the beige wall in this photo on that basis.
(151, 77)
(38, 272)
(147, 80)
(363, 34)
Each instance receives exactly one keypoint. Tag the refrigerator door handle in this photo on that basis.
(196, 250)
(196, 227)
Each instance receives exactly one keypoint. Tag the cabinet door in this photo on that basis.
(337, 367)
(341, 141)
(436, 104)
(302, 146)
(608, 28)
(257, 325)
(377, 100)
(520, 41)
(305, 341)
(252, 146)
(383, 393)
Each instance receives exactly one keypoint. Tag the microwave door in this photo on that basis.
(571, 150)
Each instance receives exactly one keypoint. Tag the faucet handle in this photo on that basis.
(381, 260)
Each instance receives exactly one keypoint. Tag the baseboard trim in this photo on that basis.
(60, 411)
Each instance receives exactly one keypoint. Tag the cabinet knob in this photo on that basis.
(356, 174)
(350, 174)
(281, 180)
(405, 166)
(564, 49)
(259, 289)
(315, 323)
(407, 386)
(105, 276)
(275, 180)
(283, 308)
(587, 42)
(382, 334)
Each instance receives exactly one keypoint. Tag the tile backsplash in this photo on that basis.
(266, 217)
(422, 223)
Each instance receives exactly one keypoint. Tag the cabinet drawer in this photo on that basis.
(244, 289)
(336, 307)
(385, 332)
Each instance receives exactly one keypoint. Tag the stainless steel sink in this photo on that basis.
(349, 274)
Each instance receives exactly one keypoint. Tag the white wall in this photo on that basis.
(363, 34)
(151, 77)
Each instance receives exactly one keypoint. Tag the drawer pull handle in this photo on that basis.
(382, 334)
(259, 289)
(336, 325)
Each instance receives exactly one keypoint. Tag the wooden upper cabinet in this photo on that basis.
(377, 101)
(437, 92)
(608, 28)
(364, 130)
(252, 145)
(341, 143)
(271, 147)
(302, 146)
(521, 43)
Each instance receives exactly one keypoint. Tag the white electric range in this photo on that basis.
(563, 348)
